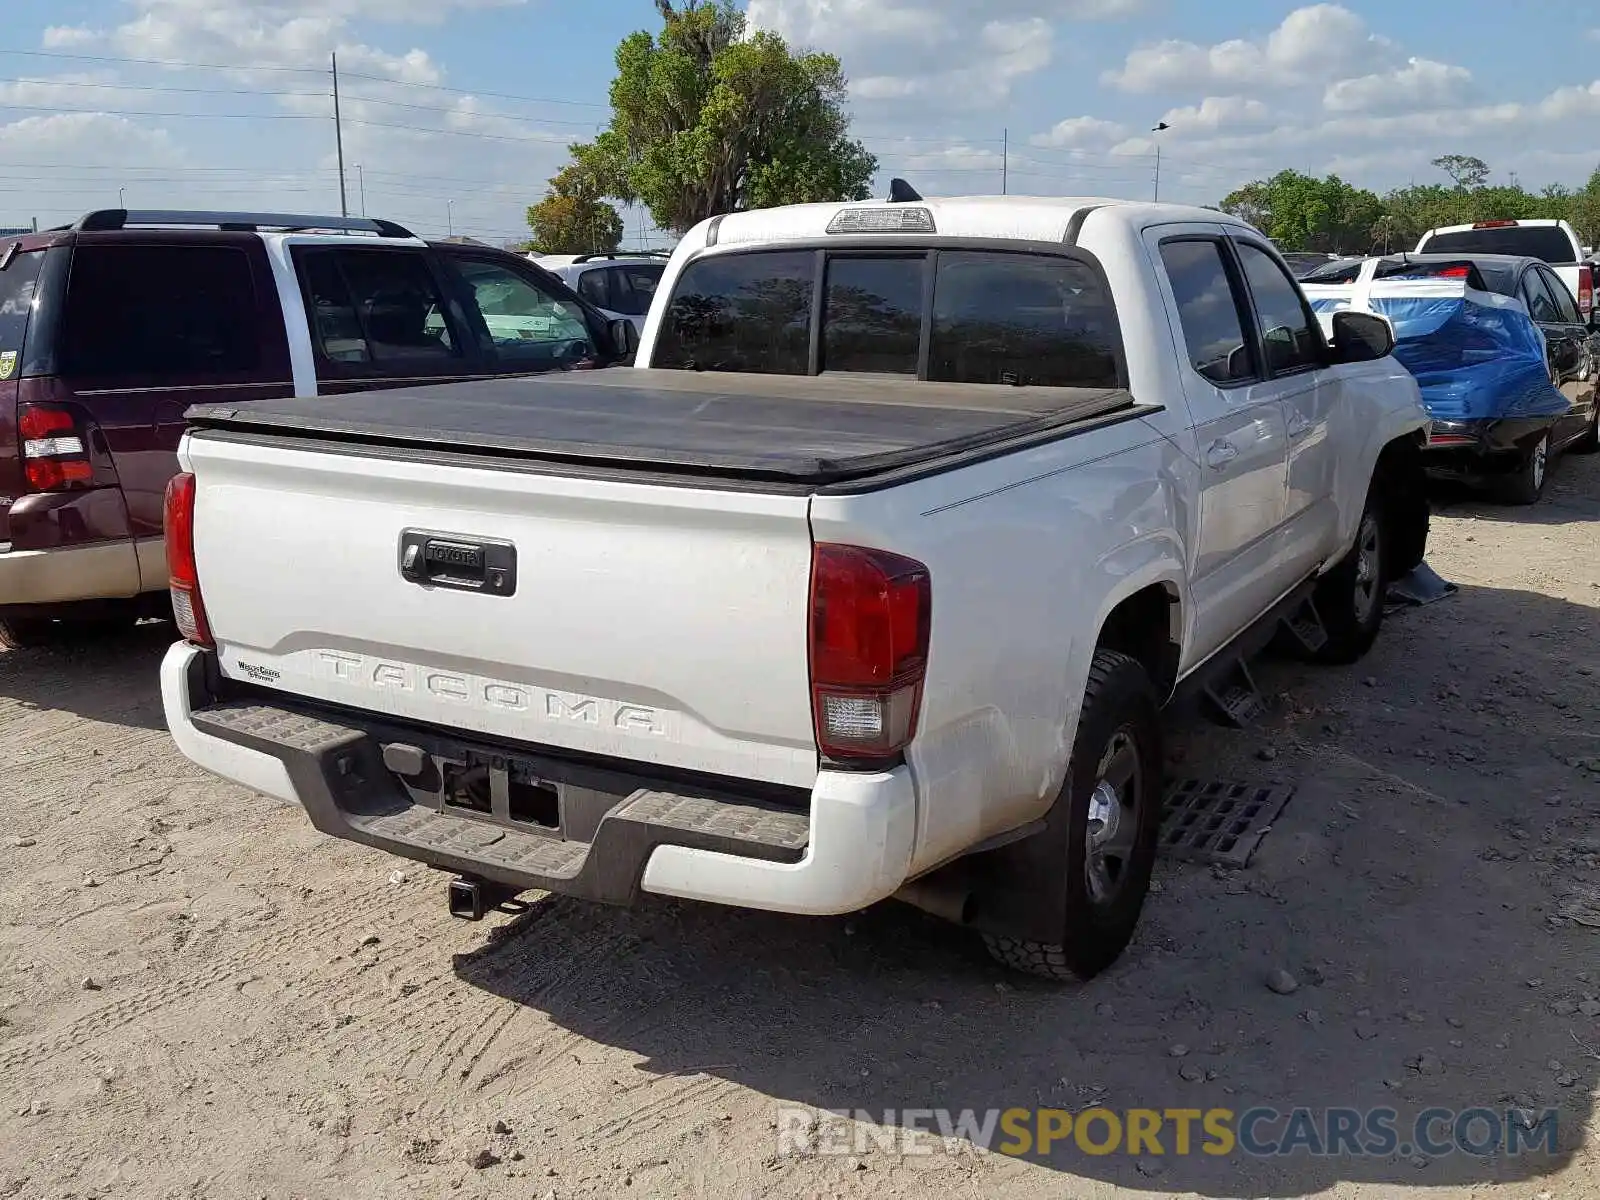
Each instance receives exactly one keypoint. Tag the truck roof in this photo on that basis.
(800, 431)
(1026, 218)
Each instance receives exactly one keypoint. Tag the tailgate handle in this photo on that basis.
(458, 561)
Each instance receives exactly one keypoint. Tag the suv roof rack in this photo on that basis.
(583, 258)
(238, 222)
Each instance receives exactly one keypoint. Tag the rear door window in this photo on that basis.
(1208, 311)
(1541, 304)
(1566, 306)
(595, 287)
(741, 312)
(17, 283)
(632, 287)
(377, 307)
(873, 315)
(1288, 330)
(178, 314)
(1021, 319)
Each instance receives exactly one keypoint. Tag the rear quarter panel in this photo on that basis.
(1027, 554)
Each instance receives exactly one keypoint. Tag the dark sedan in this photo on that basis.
(1518, 449)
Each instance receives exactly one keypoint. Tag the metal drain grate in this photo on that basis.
(1216, 822)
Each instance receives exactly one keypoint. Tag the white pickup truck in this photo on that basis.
(1553, 242)
(870, 581)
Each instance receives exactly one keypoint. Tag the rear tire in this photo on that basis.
(1350, 596)
(1111, 801)
(1526, 484)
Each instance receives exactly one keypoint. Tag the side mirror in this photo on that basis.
(1239, 366)
(625, 336)
(1361, 337)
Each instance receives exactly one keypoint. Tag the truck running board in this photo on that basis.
(1232, 695)
(1304, 625)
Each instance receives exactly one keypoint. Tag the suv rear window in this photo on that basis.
(1000, 317)
(16, 305)
(178, 313)
(1548, 242)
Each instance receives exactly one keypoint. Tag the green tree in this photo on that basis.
(708, 118)
(1300, 212)
(573, 217)
(1464, 170)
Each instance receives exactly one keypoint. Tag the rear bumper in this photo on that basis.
(852, 848)
(63, 574)
(1481, 444)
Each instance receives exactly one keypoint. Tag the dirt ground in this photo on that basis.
(202, 997)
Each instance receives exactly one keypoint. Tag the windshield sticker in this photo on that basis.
(8, 364)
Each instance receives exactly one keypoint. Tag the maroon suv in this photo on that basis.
(112, 327)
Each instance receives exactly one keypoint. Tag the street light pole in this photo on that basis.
(121, 203)
(338, 136)
(361, 182)
(1160, 127)
(450, 216)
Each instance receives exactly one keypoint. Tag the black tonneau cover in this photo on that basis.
(810, 430)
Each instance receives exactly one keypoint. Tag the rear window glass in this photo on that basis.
(174, 313)
(741, 312)
(1548, 242)
(997, 317)
(1021, 319)
(16, 305)
(873, 319)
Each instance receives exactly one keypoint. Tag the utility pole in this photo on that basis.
(450, 216)
(338, 135)
(1005, 159)
(361, 182)
(1159, 127)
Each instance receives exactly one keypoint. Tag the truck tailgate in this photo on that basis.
(659, 624)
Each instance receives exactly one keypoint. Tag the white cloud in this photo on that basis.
(1312, 45)
(952, 53)
(1007, 51)
(1079, 131)
(1421, 84)
(1216, 112)
(64, 37)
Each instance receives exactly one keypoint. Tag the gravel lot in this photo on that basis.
(200, 996)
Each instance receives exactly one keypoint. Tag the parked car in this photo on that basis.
(1552, 242)
(870, 581)
(1503, 402)
(620, 285)
(1301, 261)
(112, 327)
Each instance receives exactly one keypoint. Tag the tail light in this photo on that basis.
(184, 579)
(1502, 224)
(54, 456)
(1585, 288)
(869, 650)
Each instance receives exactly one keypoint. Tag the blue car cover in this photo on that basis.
(1475, 355)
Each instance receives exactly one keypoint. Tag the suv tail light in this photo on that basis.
(1585, 288)
(869, 650)
(54, 456)
(187, 608)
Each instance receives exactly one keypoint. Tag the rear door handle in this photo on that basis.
(1220, 454)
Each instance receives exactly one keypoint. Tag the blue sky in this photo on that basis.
(458, 110)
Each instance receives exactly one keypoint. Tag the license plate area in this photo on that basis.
(502, 789)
